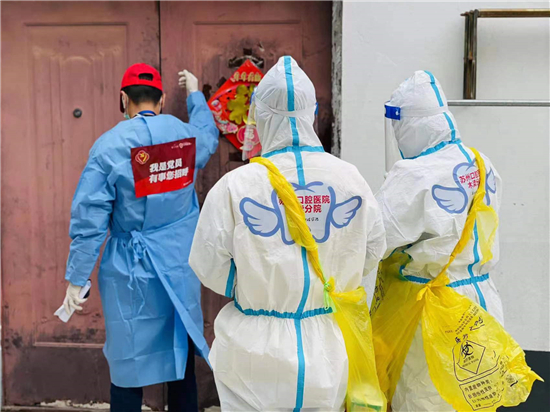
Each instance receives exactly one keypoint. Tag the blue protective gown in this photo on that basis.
(150, 295)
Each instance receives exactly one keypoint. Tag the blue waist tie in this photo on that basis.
(138, 234)
(138, 247)
(136, 240)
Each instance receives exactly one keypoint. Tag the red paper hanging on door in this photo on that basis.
(163, 167)
(231, 102)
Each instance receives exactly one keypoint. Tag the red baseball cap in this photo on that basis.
(132, 78)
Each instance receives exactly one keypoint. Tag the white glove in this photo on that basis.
(72, 299)
(188, 81)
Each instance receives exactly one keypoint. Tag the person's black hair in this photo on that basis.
(143, 94)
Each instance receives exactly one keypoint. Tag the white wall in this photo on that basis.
(384, 43)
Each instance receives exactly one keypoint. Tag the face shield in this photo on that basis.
(251, 142)
(393, 114)
(400, 118)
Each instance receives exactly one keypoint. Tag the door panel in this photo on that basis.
(67, 74)
(57, 58)
(203, 37)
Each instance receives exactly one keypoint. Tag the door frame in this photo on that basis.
(336, 79)
(1, 265)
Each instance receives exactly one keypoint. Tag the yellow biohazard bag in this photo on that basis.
(350, 308)
(473, 362)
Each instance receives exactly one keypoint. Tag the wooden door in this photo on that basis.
(203, 37)
(62, 63)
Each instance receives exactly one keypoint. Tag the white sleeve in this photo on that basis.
(404, 205)
(211, 255)
(376, 234)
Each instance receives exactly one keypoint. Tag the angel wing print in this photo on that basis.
(466, 178)
(323, 212)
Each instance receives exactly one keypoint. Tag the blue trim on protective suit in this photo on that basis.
(300, 167)
(464, 282)
(295, 135)
(453, 140)
(230, 280)
(282, 315)
(302, 182)
(306, 281)
(470, 281)
(434, 86)
(476, 240)
(471, 268)
(465, 153)
(416, 279)
(451, 126)
(301, 367)
(293, 149)
(474, 280)
(434, 149)
(289, 84)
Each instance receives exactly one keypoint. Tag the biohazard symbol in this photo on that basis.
(142, 157)
(467, 349)
(471, 355)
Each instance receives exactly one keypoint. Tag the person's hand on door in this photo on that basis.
(188, 81)
(72, 299)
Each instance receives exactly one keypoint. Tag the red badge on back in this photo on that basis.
(163, 167)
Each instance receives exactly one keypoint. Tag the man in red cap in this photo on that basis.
(138, 185)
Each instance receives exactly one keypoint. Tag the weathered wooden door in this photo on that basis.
(61, 68)
(203, 37)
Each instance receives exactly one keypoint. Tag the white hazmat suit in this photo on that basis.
(424, 201)
(277, 348)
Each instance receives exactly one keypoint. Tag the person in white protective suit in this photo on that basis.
(424, 201)
(277, 347)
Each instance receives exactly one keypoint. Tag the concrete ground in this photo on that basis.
(64, 407)
(102, 408)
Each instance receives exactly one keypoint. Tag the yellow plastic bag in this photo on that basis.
(473, 362)
(350, 308)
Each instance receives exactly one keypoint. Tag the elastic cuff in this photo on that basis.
(77, 279)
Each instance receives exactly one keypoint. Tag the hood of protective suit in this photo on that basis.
(425, 118)
(285, 107)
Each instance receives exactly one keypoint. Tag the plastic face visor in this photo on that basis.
(251, 146)
(392, 114)
(395, 114)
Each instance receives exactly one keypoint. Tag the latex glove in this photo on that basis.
(188, 81)
(72, 298)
